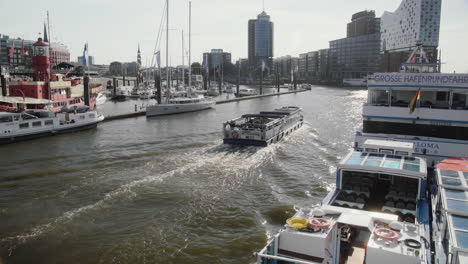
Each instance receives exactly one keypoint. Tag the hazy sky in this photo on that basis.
(113, 28)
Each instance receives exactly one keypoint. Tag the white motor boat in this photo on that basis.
(28, 125)
(247, 92)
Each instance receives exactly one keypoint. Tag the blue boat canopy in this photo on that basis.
(385, 163)
(452, 179)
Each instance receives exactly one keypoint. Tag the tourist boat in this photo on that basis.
(418, 104)
(59, 89)
(377, 213)
(28, 125)
(264, 128)
(306, 86)
(450, 211)
(247, 92)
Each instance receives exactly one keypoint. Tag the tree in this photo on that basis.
(196, 68)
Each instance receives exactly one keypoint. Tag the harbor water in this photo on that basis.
(165, 189)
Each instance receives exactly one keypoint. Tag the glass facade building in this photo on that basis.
(358, 55)
(260, 40)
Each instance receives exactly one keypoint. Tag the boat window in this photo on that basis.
(91, 115)
(451, 181)
(392, 162)
(386, 151)
(36, 123)
(401, 153)
(82, 117)
(374, 160)
(411, 164)
(456, 205)
(49, 122)
(15, 118)
(6, 119)
(23, 125)
(462, 239)
(460, 222)
(459, 100)
(465, 174)
(449, 173)
(442, 96)
(456, 194)
(371, 150)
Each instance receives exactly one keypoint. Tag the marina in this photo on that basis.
(150, 148)
(190, 198)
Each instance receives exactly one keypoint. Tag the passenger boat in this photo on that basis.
(450, 211)
(378, 213)
(420, 105)
(28, 125)
(264, 128)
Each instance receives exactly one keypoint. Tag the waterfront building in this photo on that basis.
(415, 22)
(91, 60)
(357, 55)
(22, 53)
(216, 59)
(260, 40)
(285, 65)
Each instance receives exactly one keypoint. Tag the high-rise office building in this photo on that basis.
(260, 40)
(357, 55)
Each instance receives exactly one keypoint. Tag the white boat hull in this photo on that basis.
(169, 109)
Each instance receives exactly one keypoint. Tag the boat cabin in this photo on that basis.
(380, 182)
(450, 211)
(377, 214)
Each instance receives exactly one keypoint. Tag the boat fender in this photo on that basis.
(319, 223)
(235, 134)
(386, 234)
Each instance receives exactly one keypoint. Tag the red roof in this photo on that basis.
(455, 164)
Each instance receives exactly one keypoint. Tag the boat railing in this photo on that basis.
(428, 106)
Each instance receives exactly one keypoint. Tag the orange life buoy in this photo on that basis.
(386, 234)
(235, 134)
(319, 223)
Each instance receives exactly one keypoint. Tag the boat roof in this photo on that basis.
(452, 179)
(404, 166)
(267, 115)
(23, 100)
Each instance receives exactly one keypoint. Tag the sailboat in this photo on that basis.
(192, 102)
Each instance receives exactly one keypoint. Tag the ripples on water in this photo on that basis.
(165, 190)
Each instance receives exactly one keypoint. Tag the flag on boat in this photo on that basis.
(85, 54)
(413, 60)
(158, 58)
(12, 49)
(22, 48)
(415, 99)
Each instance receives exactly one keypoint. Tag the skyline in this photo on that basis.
(300, 27)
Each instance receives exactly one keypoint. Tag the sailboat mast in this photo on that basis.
(168, 83)
(190, 47)
(183, 65)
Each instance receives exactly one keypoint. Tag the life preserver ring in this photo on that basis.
(235, 134)
(386, 234)
(319, 223)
